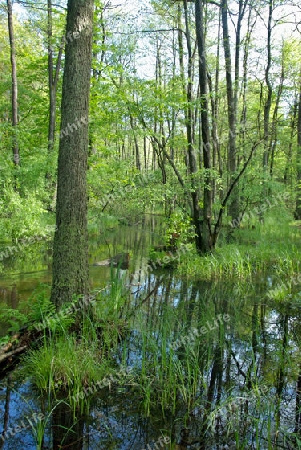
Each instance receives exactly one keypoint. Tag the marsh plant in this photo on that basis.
(271, 246)
(204, 347)
(66, 363)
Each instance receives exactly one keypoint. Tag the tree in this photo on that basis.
(70, 248)
(14, 91)
(53, 78)
(298, 199)
(231, 101)
(268, 102)
(207, 209)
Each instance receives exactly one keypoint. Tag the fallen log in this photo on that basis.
(10, 353)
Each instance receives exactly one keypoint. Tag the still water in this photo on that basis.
(236, 352)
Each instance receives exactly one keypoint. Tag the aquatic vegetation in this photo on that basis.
(169, 349)
(273, 245)
(69, 364)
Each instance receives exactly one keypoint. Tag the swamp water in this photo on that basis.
(209, 365)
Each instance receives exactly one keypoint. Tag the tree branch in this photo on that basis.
(234, 182)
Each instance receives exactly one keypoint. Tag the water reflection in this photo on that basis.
(241, 379)
(67, 431)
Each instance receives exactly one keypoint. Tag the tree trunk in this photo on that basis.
(214, 100)
(298, 161)
(274, 128)
(288, 171)
(53, 77)
(14, 92)
(70, 250)
(241, 12)
(192, 161)
(206, 144)
(247, 40)
(136, 143)
(268, 102)
(234, 203)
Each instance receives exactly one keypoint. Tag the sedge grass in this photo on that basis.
(273, 245)
(67, 362)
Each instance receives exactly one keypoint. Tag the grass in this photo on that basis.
(67, 363)
(63, 365)
(273, 245)
(177, 381)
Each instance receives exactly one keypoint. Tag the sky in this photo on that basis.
(135, 13)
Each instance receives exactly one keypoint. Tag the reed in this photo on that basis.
(274, 245)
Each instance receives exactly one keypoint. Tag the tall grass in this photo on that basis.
(272, 245)
(187, 381)
(68, 361)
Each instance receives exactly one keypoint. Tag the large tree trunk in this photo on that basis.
(70, 251)
(14, 92)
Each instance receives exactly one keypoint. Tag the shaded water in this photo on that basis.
(236, 354)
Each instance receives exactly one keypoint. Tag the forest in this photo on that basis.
(150, 224)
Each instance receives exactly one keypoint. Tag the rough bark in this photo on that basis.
(70, 250)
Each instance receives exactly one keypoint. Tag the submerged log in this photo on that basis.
(104, 262)
(121, 260)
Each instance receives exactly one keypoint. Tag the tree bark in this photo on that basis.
(268, 102)
(191, 157)
(214, 100)
(234, 204)
(14, 92)
(70, 249)
(206, 243)
(53, 77)
(274, 128)
(247, 40)
(136, 143)
(288, 171)
(298, 161)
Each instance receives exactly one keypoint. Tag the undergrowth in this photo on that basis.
(274, 245)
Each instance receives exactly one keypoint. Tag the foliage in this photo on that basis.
(273, 244)
(21, 217)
